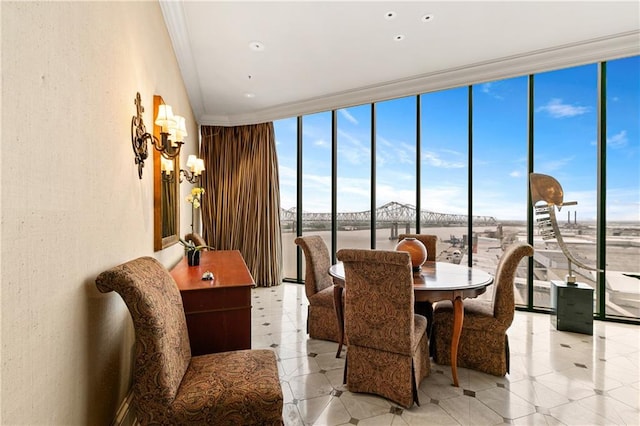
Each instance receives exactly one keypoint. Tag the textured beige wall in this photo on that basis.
(72, 204)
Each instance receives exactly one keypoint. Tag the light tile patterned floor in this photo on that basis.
(557, 378)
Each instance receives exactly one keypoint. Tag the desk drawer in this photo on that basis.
(216, 299)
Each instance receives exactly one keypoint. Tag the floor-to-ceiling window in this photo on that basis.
(500, 174)
(354, 177)
(444, 170)
(395, 170)
(565, 134)
(316, 175)
(360, 163)
(622, 296)
(286, 145)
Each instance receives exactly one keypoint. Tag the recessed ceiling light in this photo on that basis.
(390, 15)
(427, 18)
(256, 46)
(399, 37)
(249, 95)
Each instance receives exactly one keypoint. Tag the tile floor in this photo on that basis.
(557, 378)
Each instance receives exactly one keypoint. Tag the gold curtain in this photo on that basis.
(241, 203)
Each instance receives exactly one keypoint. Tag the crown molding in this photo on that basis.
(591, 51)
(580, 53)
(174, 18)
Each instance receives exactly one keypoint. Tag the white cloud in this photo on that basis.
(346, 114)
(433, 159)
(403, 157)
(623, 204)
(352, 149)
(444, 199)
(383, 141)
(619, 140)
(388, 193)
(406, 154)
(488, 88)
(451, 151)
(556, 109)
(288, 183)
(321, 143)
(552, 165)
(515, 174)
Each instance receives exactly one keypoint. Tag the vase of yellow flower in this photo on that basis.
(195, 198)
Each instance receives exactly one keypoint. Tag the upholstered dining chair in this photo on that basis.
(388, 352)
(171, 387)
(196, 239)
(430, 242)
(322, 322)
(484, 344)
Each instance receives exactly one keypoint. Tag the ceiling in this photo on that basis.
(248, 62)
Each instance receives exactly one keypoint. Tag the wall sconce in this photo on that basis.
(173, 132)
(166, 168)
(196, 167)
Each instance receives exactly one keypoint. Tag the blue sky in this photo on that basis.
(565, 131)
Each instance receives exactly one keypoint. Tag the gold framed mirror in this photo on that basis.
(166, 194)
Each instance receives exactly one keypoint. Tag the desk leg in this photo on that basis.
(458, 318)
(337, 303)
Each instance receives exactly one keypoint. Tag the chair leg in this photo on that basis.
(414, 387)
(506, 349)
(426, 309)
(344, 374)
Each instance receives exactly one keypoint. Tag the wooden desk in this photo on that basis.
(436, 281)
(218, 312)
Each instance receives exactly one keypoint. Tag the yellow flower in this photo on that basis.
(194, 197)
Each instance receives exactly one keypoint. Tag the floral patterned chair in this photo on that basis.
(430, 242)
(170, 386)
(322, 322)
(484, 344)
(388, 351)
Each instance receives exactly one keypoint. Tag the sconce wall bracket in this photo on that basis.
(189, 176)
(139, 138)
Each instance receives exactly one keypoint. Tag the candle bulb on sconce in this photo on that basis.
(165, 118)
(180, 131)
(166, 166)
(195, 168)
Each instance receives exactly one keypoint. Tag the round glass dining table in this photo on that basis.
(435, 281)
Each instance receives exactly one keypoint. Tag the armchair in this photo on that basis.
(322, 322)
(484, 344)
(388, 352)
(171, 387)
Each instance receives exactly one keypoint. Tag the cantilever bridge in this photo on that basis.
(390, 213)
